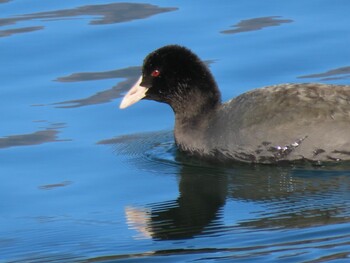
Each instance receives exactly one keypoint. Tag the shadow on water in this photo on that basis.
(290, 196)
(107, 13)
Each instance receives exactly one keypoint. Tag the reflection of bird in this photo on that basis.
(213, 200)
(286, 122)
(138, 219)
(202, 194)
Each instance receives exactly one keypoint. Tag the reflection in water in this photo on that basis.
(290, 202)
(4, 1)
(202, 194)
(333, 74)
(107, 13)
(53, 186)
(10, 32)
(130, 75)
(100, 97)
(288, 196)
(128, 72)
(256, 24)
(39, 137)
(315, 197)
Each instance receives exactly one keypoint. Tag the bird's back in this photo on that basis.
(285, 122)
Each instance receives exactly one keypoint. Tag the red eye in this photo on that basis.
(155, 73)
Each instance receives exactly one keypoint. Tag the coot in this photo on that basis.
(286, 122)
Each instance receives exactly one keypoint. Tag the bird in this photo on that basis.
(283, 123)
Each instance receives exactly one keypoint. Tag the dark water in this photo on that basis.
(82, 181)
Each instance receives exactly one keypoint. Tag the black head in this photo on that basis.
(176, 76)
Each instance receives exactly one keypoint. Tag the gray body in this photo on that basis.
(287, 122)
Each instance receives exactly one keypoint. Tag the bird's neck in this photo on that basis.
(192, 119)
(194, 105)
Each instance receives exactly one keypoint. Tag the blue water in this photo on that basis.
(82, 181)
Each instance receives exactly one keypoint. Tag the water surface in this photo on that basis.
(83, 181)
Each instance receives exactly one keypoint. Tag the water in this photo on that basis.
(82, 181)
